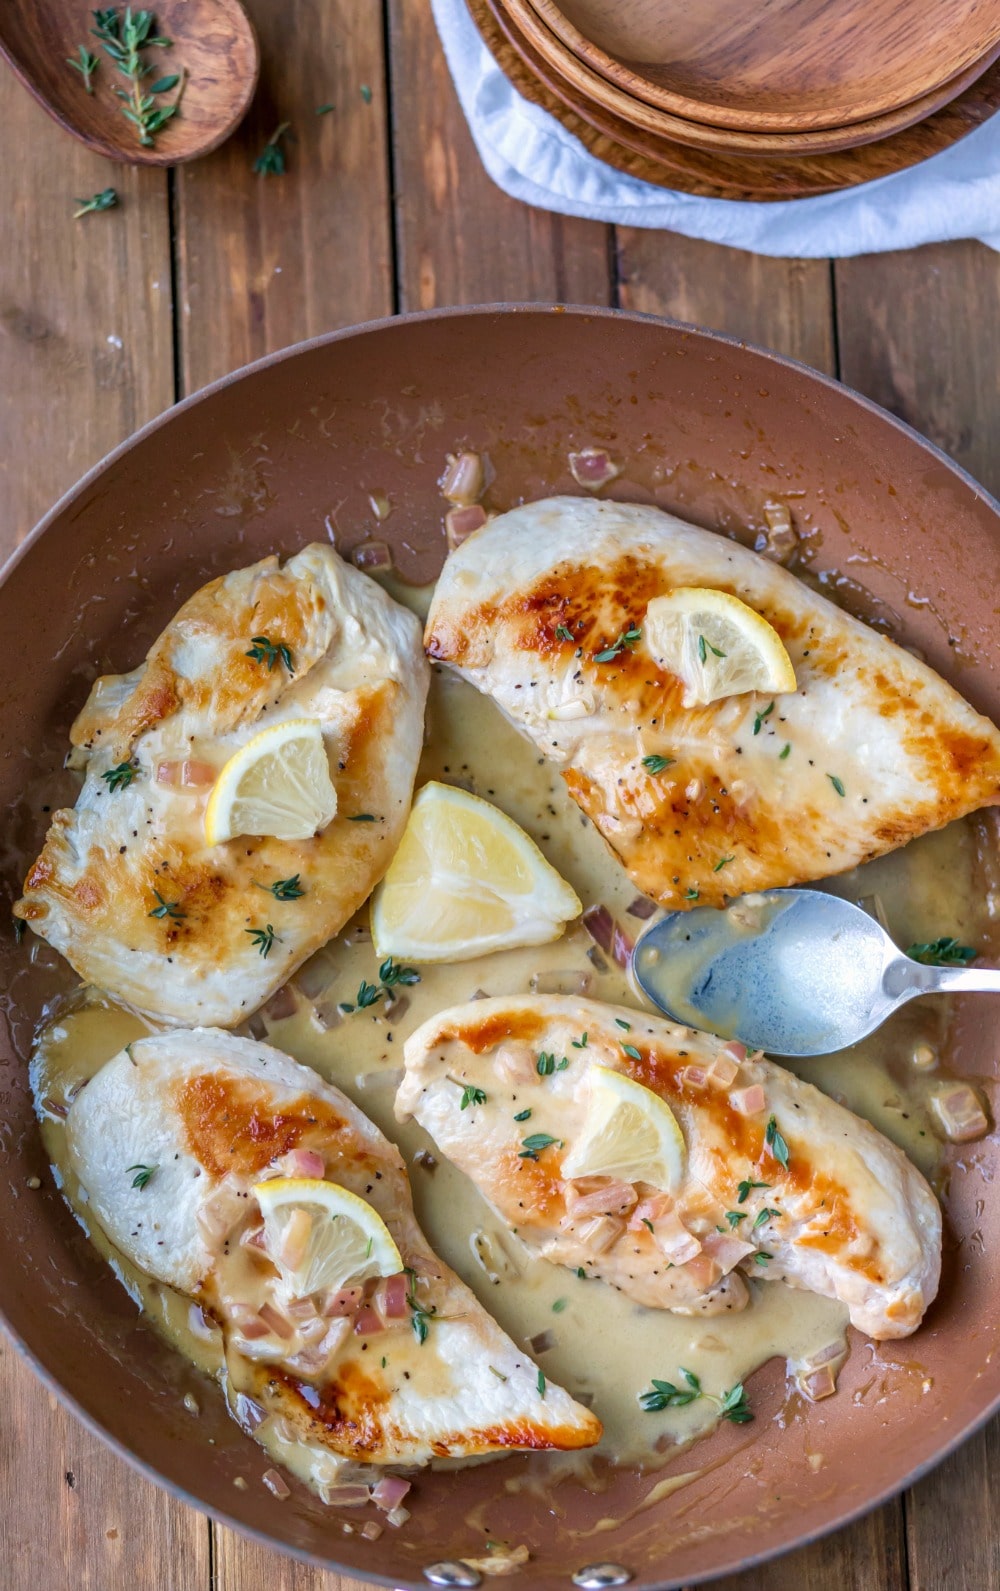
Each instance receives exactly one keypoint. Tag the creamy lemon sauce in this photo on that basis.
(584, 1335)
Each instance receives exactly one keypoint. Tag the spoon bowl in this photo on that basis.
(790, 971)
(213, 44)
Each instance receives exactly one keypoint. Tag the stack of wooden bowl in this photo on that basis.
(768, 99)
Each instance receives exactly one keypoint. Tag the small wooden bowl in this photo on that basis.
(582, 83)
(778, 65)
(213, 44)
(721, 176)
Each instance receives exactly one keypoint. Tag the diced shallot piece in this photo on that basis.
(186, 774)
(748, 1101)
(818, 1383)
(248, 1413)
(277, 1484)
(722, 1071)
(389, 1492)
(461, 523)
(543, 1342)
(282, 1004)
(599, 1196)
(373, 556)
(516, 1063)
(464, 480)
(303, 1163)
(600, 925)
(346, 1496)
(780, 539)
(592, 467)
(248, 1323)
(253, 1237)
(736, 1050)
(726, 1248)
(642, 907)
(674, 1240)
(397, 1517)
(371, 1530)
(275, 1321)
(344, 1302)
(694, 1076)
(959, 1113)
(621, 947)
(652, 1210)
(597, 1234)
(368, 1322)
(302, 1311)
(390, 1297)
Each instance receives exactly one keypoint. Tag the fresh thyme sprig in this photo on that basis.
(263, 650)
(732, 1405)
(105, 200)
(124, 37)
(776, 1143)
(420, 1318)
(390, 974)
(121, 777)
(167, 908)
(271, 160)
(625, 642)
(263, 938)
(471, 1095)
(284, 888)
(86, 63)
(946, 952)
(656, 764)
(143, 1175)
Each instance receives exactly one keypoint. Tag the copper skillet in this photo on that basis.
(288, 450)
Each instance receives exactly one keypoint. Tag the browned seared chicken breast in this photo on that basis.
(544, 610)
(401, 1369)
(128, 889)
(771, 1177)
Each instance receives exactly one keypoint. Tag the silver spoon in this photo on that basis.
(792, 972)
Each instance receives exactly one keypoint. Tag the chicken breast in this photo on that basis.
(208, 1116)
(779, 1181)
(126, 886)
(872, 748)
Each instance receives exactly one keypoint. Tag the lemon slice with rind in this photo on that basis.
(716, 644)
(628, 1133)
(465, 881)
(321, 1236)
(278, 784)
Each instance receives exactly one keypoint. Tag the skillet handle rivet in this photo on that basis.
(452, 1574)
(598, 1576)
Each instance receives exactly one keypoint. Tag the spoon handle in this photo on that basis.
(962, 980)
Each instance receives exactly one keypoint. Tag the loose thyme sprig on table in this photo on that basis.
(124, 37)
(105, 200)
(271, 160)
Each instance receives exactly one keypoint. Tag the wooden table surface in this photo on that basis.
(384, 207)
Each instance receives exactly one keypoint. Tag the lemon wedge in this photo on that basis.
(716, 644)
(278, 784)
(629, 1132)
(321, 1236)
(464, 881)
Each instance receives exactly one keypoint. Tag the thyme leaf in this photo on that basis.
(271, 160)
(656, 764)
(167, 908)
(121, 777)
(143, 1175)
(263, 650)
(263, 938)
(776, 1143)
(946, 952)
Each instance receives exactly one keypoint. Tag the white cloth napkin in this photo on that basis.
(532, 157)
